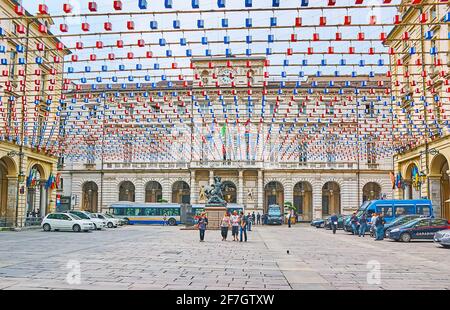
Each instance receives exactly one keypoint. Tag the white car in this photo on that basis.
(65, 221)
(98, 223)
(110, 221)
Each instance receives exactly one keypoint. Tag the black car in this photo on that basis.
(421, 228)
(400, 221)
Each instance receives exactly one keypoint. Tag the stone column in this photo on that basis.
(435, 195)
(11, 201)
(194, 189)
(240, 197)
(167, 189)
(260, 191)
(211, 177)
(139, 190)
(22, 205)
(317, 202)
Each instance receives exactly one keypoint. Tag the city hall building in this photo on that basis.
(317, 183)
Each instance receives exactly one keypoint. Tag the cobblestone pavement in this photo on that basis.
(149, 257)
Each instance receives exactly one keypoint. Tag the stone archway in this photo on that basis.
(153, 192)
(37, 195)
(127, 191)
(440, 186)
(371, 191)
(230, 192)
(411, 190)
(303, 200)
(181, 193)
(331, 198)
(8, 192)
(273, 194)
(90, 197)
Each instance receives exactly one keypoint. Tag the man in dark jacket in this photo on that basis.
(354, 222)
(379, 226)
(334, 223)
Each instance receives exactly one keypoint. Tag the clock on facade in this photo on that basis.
(224, 76)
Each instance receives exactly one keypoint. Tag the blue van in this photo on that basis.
(391, 209)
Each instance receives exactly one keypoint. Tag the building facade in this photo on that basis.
(30, 90)
(313, 178)
(420, 76)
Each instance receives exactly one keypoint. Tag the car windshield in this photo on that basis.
(274, 211)
(76, 217)
(108, 215)
(82, 215)
(411, 223)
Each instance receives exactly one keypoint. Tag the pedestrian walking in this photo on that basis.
(379, 225)
(225, 225)
(202, 223)
(289, 219)
(354, 222)
(243, 226)
(258, 219)
(362, 225)
(253, 218)
(249, 222)
(235, 225)
(266, 218)
(334, 222)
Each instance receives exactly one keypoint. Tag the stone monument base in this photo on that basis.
(215, 214)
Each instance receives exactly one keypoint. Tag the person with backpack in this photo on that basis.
(202, 223)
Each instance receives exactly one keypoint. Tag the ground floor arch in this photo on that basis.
(90, 197)
(181, 192)
(371, 191)
(303, 201)
(331, 199)
(8, 192)
(440, 186)
(153, 192)
(273, 194)
(37, 195)
(411, 178)
(127, 191)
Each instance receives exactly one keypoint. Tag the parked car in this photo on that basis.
(443, 238)
(421, 228)
(98, 223)
(111, 222)
(318, 223)
(121, 221)
(340, 224)
(402, 220)
(66, 221)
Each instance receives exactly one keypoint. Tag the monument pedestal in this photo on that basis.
(215, 214)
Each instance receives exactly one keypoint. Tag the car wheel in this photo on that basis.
(95, 227)
(76, 228)
(110, 225)
(127, 221)
(47, 227)
(405, 237)
(172, 222)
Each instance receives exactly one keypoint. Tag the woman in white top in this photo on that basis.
(226, 223)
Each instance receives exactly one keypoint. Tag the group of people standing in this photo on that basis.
(360, 225)
(238, 223)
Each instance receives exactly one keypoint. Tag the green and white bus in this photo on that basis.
(147, 213)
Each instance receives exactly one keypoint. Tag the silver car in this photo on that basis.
(443, 238)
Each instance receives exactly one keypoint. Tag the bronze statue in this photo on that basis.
(215, 192)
